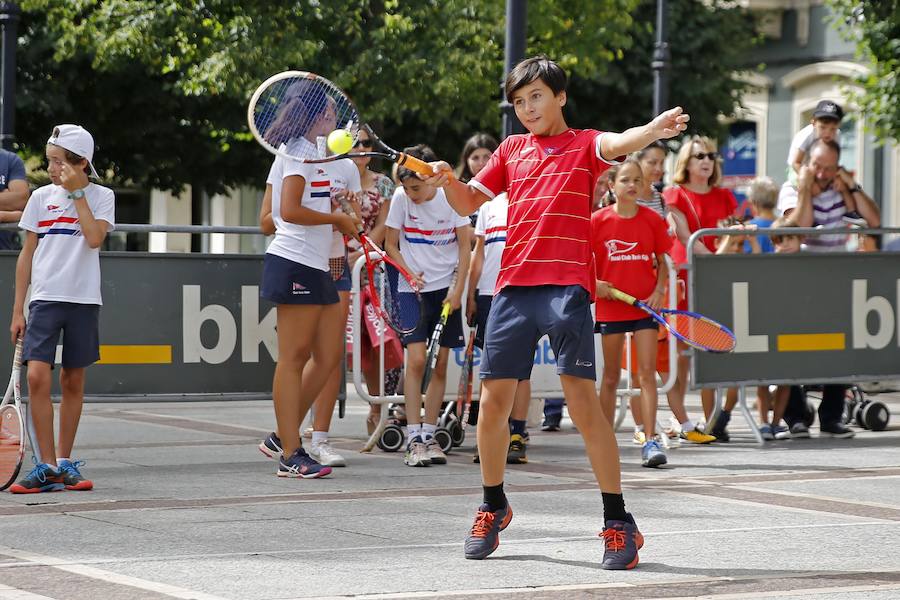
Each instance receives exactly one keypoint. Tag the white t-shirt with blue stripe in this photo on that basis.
(491, 225)
(427, 237)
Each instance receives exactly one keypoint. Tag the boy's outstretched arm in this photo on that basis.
(666, 125)
(462, 197)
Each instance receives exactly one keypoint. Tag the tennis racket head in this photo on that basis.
(402, 311)
(12, 425)
(698, 331)
(291, 114)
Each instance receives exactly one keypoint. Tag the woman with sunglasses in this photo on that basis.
(374, 204)
(696, 201)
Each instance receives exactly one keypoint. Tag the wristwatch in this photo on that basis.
(856, 188)
(76, 195)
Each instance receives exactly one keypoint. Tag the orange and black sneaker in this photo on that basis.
(622, 540)
(72, 477)
(42, 478)
(485, 534)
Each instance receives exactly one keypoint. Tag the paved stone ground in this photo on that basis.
(187, 507)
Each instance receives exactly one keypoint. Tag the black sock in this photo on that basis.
(613, 507)
(494, 497)
(517, 427)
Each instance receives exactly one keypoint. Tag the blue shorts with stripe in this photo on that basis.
(432, 304)
(521, 315)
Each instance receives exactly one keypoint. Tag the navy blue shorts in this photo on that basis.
(342, 283)
(79, 325)
(521, 315)
(287, 282)
(610, 327)
(483, 309)
(432, 303)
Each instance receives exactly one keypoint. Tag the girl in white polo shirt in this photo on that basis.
(65, 224)
(297, 279)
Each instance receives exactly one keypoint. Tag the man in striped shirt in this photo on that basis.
(545, 285)
(824, 195)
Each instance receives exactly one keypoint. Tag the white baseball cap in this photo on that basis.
(75, 138)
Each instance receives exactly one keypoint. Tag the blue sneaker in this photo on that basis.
(72, 477)
(622, 540)
(42, 478)
(652, 455)
(271, 446)
(300, 464)
(485, 534)
(765, 430)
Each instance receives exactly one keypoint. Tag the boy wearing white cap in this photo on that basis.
(65, 224)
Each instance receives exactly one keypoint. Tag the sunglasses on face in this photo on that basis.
(709, 155)
(364, 143)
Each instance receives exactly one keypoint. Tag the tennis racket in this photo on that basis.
(292, 113)
(464, 392)
(694, 330)
(402, 312)
(434, 346)
(12, 425)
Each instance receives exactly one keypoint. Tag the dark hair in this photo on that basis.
(303, 102)
(831, 144)
(782, 223)
(420, 151)
(654, 145)
(476, 142)
(534, 68)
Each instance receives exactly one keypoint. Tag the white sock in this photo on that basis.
(688, 426)
(59, 459)
(639, 428)
(319, 436)
(427, 431)
(414, 431)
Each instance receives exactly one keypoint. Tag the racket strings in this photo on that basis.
(296, 114)
(10, 441)
(702, 332)
(402, 311)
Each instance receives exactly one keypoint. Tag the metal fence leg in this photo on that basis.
(745, 410)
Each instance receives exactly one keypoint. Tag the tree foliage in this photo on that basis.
(163, 84)
(874, 27)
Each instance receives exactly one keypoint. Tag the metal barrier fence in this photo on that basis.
(801, 318)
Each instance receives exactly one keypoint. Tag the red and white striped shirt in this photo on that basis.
(550, 182)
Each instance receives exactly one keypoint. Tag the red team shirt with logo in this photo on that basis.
(624, 250)
(702, 211)
(550, 182)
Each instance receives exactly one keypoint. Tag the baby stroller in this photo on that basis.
(858, 410)
(449, 432)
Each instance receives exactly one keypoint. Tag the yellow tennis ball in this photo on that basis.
(340, 141)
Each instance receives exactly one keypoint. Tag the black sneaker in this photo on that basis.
(719, 427)
(836, 430)
(551, 422)
(271, 446)
(799, 430)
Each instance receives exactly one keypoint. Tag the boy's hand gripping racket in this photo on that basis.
(12, 425)
(434, 345)
(694, 330)
(292, 113)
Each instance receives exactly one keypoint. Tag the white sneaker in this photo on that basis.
(434, 453)
(415, 454)
(325, 454)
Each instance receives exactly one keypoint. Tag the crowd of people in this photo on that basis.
(532, 231)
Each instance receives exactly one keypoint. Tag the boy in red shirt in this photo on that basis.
(545, 285)
(628, 239)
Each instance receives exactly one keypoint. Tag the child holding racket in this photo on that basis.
(545, 286)
(427, 238)
(65, 222)
(297, 278)
(627, 239)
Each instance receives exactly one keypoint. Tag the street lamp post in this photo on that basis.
(516, 12)
(9, 24)
(661, 58)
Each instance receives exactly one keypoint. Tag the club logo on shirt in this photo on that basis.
(54, 208)
(321, 171)
(617, 250)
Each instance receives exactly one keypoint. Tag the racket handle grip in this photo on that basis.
(419, 166)
(620, 295)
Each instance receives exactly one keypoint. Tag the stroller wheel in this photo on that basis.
(858, 414)
(444, 439)
(457, 433)
(391, 438)
(876, 416)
